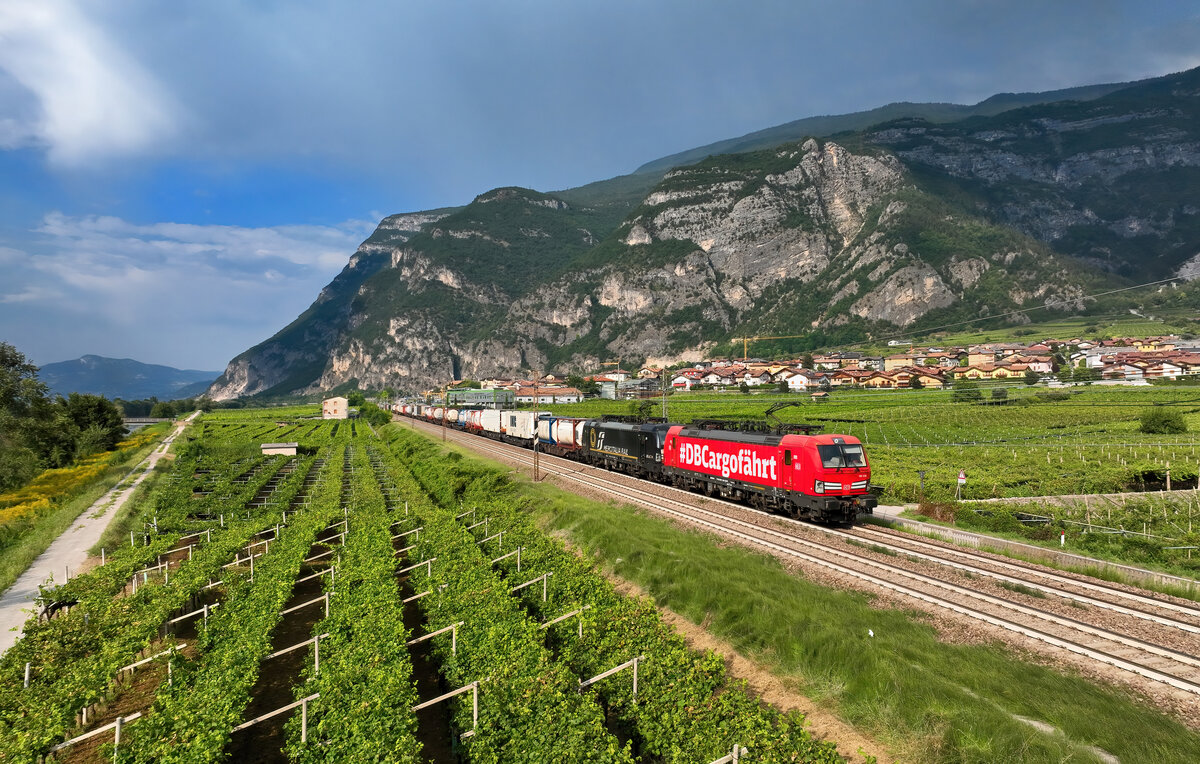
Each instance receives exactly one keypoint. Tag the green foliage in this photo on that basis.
(38, 433)
(687, 709)
(890, 683)
(164, 410)
(376, 416)
(641, 409)
(1160, 420)
(965, 391)
(75, 658)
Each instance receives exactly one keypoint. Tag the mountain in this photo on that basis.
(907, 224)
(124, 378)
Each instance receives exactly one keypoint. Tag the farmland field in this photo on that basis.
(1035, 442)
(886, 671)
(310, 607)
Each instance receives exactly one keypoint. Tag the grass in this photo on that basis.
(927, 700)
(1028, 591)
(135, 508)
(16, 558)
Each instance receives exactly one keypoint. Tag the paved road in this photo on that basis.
(70, 550)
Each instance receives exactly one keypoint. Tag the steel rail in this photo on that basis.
(654, 502)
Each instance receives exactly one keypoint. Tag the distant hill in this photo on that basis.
(124, 378)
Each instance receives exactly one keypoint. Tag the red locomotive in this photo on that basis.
(812, 477)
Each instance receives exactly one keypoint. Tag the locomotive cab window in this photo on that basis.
(787, 457)
(841, 455)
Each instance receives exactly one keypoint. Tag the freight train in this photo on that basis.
(808, 476)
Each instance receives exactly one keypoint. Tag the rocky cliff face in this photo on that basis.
(483, 292)
(904, 226)
(1110, 181)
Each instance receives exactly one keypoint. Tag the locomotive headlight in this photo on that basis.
(818, 487)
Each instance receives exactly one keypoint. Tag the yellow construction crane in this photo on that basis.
(616, 363)
(747, 340)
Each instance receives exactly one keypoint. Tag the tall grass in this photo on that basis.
(20, 550)
(926, 699)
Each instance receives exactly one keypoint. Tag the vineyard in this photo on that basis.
(360, 601)
(1031, 442)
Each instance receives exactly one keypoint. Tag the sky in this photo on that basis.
(180, 178)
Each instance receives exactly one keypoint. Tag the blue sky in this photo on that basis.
(179, 179)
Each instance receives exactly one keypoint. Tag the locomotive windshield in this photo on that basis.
(841, 455)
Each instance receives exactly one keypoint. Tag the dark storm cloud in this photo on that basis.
(266, 125)
(463, 96)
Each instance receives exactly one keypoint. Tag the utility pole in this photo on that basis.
(445, 405)
(536, 438)
(665, 382)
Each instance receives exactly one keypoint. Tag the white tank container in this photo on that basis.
(564, 432)
(489, 420)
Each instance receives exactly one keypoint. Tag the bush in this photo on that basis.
(965, 391)
(1158, 420)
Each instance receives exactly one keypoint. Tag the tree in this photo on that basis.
(24, 410)
(744, 387)
(163, 410)
(806, 360)
(585, 386)
(783, 386)
(915, 383)
(641, 409)
(99, 418)
(20, 389)
(999, 396)
(965, 391)
(373, 414)
(355, 399)
(1159, 420)
(1031, 377)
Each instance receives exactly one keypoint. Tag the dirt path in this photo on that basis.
(70, 550)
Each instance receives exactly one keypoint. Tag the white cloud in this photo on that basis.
(191, 296)
(94, 100)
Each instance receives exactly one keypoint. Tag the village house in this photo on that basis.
(900, 360)
(756, 377)
(929, 380)
(686, 378)
(548, 395)
(849, 377)
(608, 385)
(335, 408)
(826, 363)
(803, 380)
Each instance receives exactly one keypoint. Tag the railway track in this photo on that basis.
(1153, 638)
